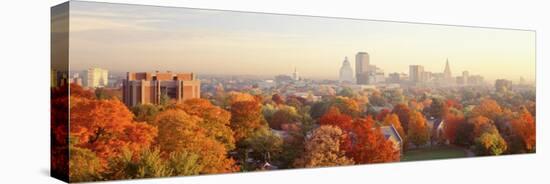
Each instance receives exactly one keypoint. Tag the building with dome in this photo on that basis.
(346, 72)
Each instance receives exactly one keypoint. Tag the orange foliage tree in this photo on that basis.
(383, 114)
(106, 127)
(285, 116)
(246, 118)
(323, 149)
(488, 108)
(393, 119)
(180, 132)
(452, 122)
(347, 106)
(213, 119)
(335, 118)
(524, 127)
(418, 132)
(365, 143)
(402, 111)
(482, 125)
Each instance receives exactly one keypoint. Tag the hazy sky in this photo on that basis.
(146, 38)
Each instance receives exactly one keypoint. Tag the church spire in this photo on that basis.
(447, 71)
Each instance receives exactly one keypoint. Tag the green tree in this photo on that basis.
(184, 163)
(265, 144)
(346, 92)
(145, 112)
(148, 164)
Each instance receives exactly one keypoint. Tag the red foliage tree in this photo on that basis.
(246, 117)
(402, 110)
(452, 121)
(106, 127)
(335, 118)
(382, 115)
(488, 108)
(524, 127)
(277, 99)
(366, 143)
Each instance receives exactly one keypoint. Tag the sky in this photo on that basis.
(124, 38)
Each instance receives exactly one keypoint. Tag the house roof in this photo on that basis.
(390, 132)
(434, 123)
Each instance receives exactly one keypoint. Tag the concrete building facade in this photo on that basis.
(96, 77)
(362, 62)
(146, 87)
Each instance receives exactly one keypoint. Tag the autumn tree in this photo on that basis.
(145, 112)
(347, 106)
(322, 149)
(213, 119)
(366, 143)
(376, 99)
(524, 129)
(246, 118)
(234, 97)
(393, 119)
(129, 165)
(277, 99)
(490, 143)
(346, 92)
(383, 114)
(106, 127)
(450, 128)
(78, 91)
(482, 124)
(488, 108)
(84, 165)
(265, 143)
(464, 134)
(184, 163)
(181, 132)
(285, 115)
(402, 111)
(418, 132)
(335, 118)
(59, 126)
(438, 108)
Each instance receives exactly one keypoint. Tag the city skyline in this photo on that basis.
(180, 39)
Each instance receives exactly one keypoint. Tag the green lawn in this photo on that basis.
(440, 152)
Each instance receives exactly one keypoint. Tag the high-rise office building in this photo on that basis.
(346, 72)
(145, 87)
(295, 75)
(96, 77)
(416, 73)
(362, 62)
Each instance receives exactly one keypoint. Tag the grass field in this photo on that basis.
(440, 152)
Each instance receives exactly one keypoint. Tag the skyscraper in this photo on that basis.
(96, 77)
(416, 73)
(362, 62)
(346, 72)
(295, 75)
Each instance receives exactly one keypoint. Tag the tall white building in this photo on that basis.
(295, 75)
(96, 77)
(346, 72)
